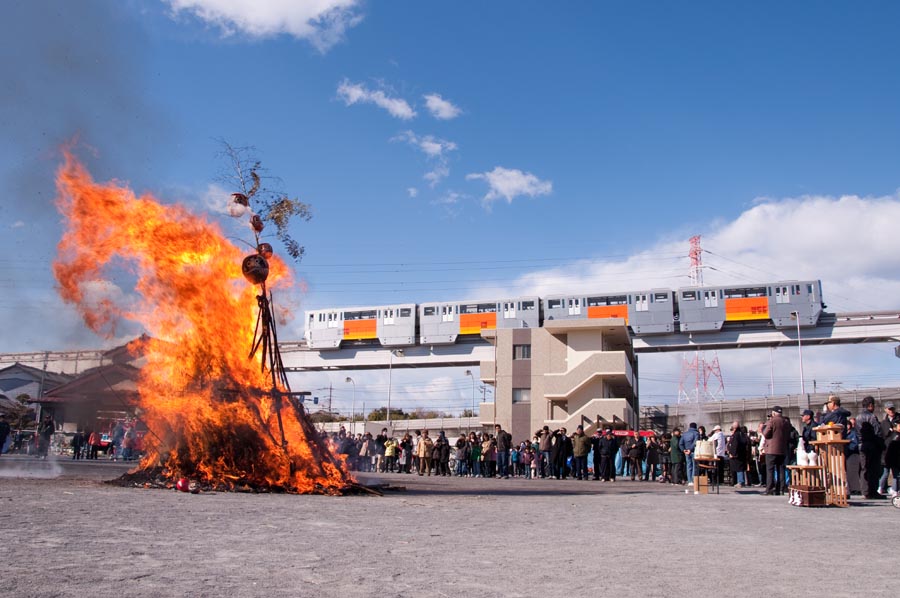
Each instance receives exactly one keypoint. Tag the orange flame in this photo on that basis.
(203, 400)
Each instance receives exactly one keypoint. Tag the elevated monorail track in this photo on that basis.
(832, 329)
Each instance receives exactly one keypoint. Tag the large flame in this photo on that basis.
(208, 406)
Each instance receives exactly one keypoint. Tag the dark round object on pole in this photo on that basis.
(255, 269)
(265, 250)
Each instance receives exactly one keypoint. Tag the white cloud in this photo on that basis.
(427, 144)
(17, 224)
(353, 93)
(435, 151)
(436, 175)
(846, 242)
(412, 191)
(440, 108)
(323, 23)
(510, 183)
(449, 198)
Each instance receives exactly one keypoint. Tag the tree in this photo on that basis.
(380, 414)
(323, 417)
(260, 194)
(23, 414)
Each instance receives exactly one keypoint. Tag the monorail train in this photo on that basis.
(654, 311)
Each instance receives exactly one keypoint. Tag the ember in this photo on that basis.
(216, 416)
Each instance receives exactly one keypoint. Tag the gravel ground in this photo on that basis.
(64, 532)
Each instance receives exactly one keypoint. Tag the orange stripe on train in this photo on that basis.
(355, 330)
(475, 323)
(608, 311)
(747, 308)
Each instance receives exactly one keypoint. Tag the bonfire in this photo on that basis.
(217, 405)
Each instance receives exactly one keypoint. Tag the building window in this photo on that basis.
(521, 351)
(521, 395)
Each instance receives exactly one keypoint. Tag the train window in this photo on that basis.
(610, 300)
(746, 292)
(405, 312)
(689, 295)
(528, 305)
(554, 303)
(809, 289)
(478, 308)
(661, 297)
(361, 315)
(428, 310)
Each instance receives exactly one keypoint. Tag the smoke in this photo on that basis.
(72, 70)
(38, 470)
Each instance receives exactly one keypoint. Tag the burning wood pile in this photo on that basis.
(213, 394)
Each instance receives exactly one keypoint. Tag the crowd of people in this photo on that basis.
(122, 443)
(745, 457)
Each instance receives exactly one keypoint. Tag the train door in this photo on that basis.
(811, 296)
(509, 310)
(388, 317)
(782, 295)
(711, 298)
(575, 306)
(447, 313)
(641, 302)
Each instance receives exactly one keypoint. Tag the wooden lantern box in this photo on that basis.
(829, 433)
(808, 496)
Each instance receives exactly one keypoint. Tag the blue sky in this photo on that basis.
(577, 147)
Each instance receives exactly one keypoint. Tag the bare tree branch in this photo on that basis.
(244, 173)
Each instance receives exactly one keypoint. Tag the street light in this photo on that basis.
(353, 405)
(398, 353)
(471, 375)
(796, 315)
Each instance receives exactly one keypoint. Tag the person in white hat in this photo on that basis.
(718, 440)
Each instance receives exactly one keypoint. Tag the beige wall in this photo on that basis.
(582, 364)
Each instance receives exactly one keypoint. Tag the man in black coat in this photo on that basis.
(777, 434)
(560, 452)
(504, 444)
(808, 434)
(737, 447)
(891, 418)
(608, 446)
(4, 432)
(871, 445)
(595, 446)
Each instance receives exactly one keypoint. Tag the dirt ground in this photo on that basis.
(64, 532)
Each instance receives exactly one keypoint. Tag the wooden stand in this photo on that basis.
(706, 475)
(830, 445)
(808, 488)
